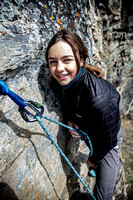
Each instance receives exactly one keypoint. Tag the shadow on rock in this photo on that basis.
(6, 192)
(80, 196)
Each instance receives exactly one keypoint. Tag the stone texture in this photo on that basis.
(30, 165)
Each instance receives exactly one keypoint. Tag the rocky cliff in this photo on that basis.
(30, 165)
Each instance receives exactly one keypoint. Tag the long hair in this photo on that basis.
(78, 48)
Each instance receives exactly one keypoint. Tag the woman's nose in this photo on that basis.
(60, 66)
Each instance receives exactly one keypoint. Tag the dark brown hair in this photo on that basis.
(78, 48)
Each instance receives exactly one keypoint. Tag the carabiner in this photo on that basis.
(34, 106)
(27, 115)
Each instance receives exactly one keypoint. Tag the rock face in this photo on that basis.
(30, 165)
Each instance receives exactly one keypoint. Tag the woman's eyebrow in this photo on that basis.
(70, 56)
(67, 56)
(51, 58)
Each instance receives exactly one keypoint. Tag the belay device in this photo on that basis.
(35, 113)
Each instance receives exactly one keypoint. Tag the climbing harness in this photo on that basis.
(34, 112)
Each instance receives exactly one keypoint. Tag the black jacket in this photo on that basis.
(93, 104)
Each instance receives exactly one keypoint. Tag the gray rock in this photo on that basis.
(30, 166)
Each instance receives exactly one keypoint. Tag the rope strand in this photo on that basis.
(80, 132)
(59, 149)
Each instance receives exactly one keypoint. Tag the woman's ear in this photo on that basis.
(81, 61)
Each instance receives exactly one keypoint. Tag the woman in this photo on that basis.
(91, 104)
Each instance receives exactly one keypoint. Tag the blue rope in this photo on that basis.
(59, 149)
(80, 132)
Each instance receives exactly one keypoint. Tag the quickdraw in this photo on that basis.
(34, 112)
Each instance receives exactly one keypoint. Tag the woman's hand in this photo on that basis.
(73, 133)
(90, 164)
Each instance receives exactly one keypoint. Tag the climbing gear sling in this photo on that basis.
(34, 106)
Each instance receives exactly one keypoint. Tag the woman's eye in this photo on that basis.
(67, 60)
(52, 62)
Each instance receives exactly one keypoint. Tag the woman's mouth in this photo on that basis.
(62, 76)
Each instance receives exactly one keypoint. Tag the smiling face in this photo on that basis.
(62, 63)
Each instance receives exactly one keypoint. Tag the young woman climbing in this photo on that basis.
(91, 104)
